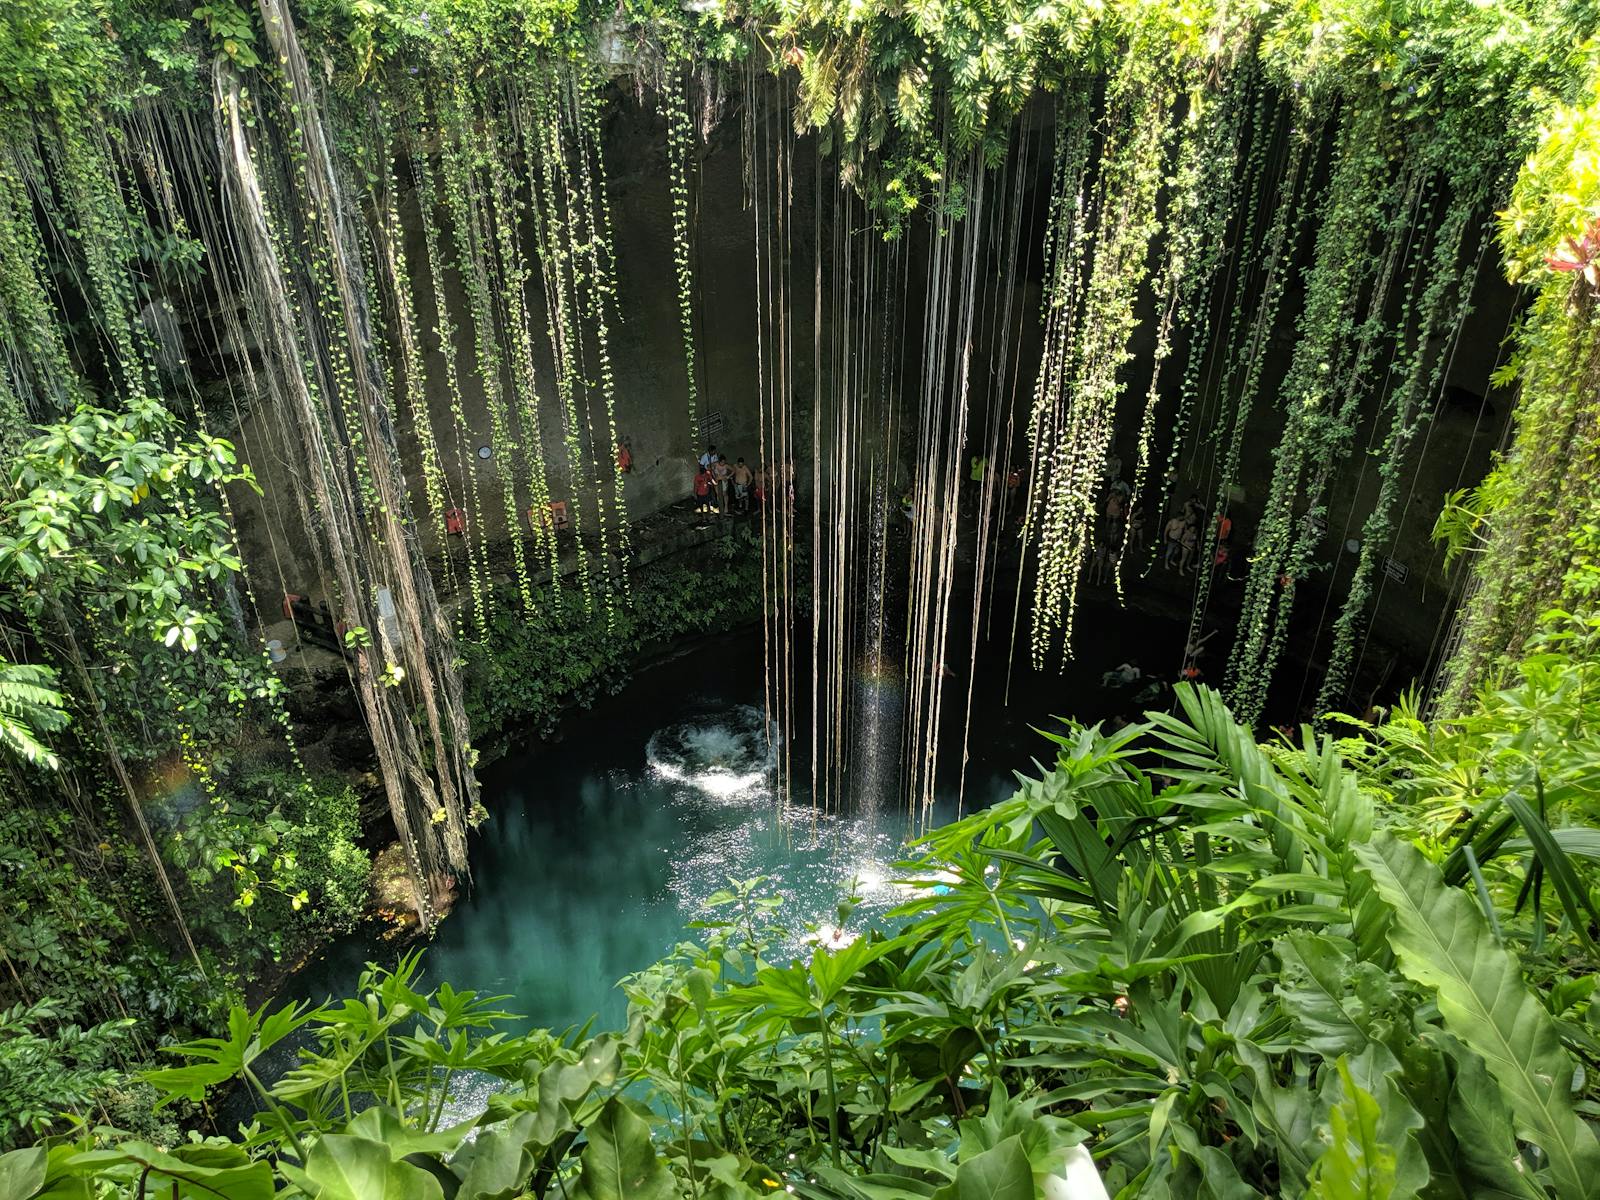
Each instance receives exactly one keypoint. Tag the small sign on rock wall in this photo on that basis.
(1395, 569)
(710, 426)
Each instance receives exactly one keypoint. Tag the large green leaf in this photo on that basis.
(1001, 1173)
(1483, 1133)
(1426, 1080)
(1326, 992)
(619, 1163)
(1443, 942)
(250, 1034)
(1219, 1176)
(190, 1172)
(499, 1161)
(342, 1166)
(836, 1184)
(565, 1088)
(22, 1172)
(381, 1124)
(1580, 841)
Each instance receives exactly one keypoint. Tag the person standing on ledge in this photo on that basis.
(722, 473)
(979, 464)
(1173, 536)
(702, 490)
(741, 486)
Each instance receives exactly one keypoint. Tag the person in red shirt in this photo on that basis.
(703, 486)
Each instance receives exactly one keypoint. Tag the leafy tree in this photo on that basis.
(111, 515)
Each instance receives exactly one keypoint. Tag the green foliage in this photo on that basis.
(1534, 521)
(106, 512)
(1201, 964)
(231, 29)
(1444, 943)
(55, 47)
(276, 861)
(1502, 795)
(48, 1067)
(1357, 1165)
(81, 925)
(1196, 974)
(531, 670)
(30, 706)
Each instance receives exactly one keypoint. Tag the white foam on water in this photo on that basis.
(727, 756)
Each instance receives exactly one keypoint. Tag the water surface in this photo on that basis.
(603, 846)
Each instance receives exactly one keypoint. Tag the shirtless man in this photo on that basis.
(1174, 538)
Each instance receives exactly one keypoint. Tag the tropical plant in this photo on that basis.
(30, 707)
(1206, 967)
(48, 1067)
(278, 850)
(1502, 795)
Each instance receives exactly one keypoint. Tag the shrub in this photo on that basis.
(276, 861)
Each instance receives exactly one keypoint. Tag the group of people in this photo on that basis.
(723, 487)
(1004, 498)
(1120, 526)
(1182, 537)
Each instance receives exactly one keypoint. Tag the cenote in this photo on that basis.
(604, 845)
(733, 598)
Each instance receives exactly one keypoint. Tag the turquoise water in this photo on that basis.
(603, 846)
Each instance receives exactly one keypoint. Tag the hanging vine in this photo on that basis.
(1071, 460)
(473, 533)
(1443, 307)
(1200, 211)
(461, 156)
(1316, 428)
(586, 97)
(674, 102)
(368, 544)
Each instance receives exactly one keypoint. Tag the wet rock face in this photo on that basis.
(394, 892)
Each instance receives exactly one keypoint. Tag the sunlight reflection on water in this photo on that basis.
(601, 850)
(810, 859)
